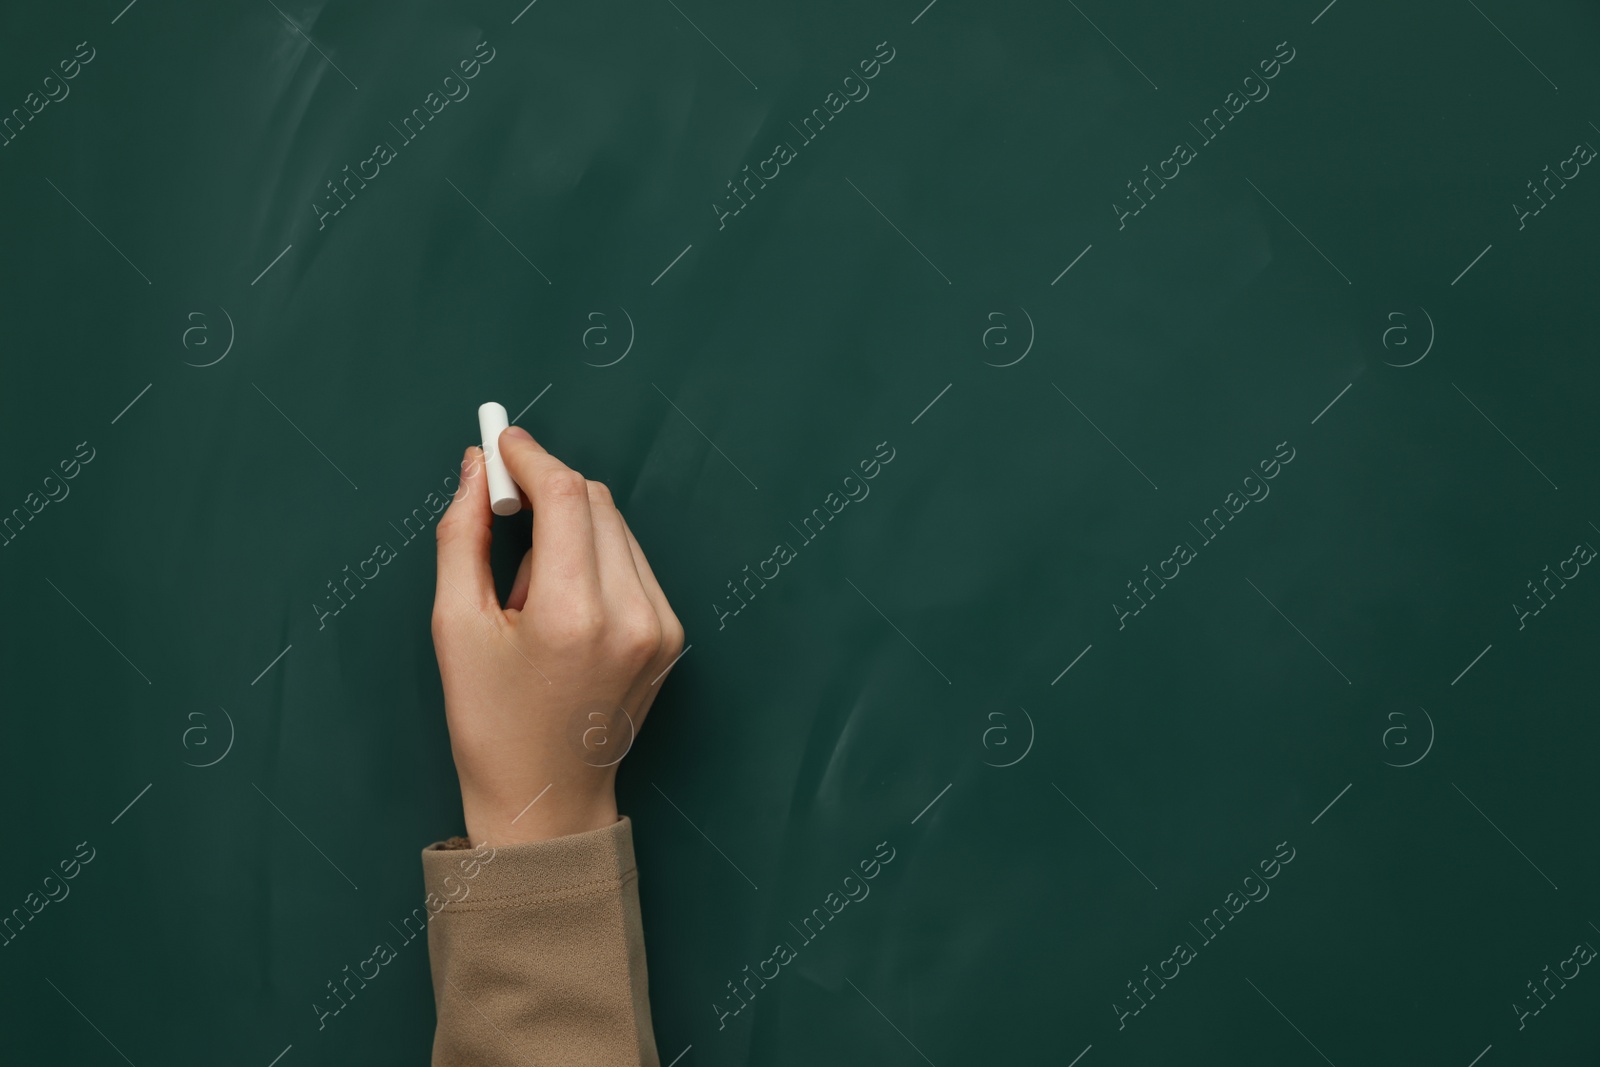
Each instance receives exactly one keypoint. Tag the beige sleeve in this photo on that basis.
(537, 953)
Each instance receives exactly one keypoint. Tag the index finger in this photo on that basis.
(563, 531)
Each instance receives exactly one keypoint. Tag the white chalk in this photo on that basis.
(503, 498)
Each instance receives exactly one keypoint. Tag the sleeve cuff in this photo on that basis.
(462, 878)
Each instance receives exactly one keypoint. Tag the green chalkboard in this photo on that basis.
(1208, 659)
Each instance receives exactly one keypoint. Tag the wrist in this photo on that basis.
(556, 812)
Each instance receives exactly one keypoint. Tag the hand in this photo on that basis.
(549, 689)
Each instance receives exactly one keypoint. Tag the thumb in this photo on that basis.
(464, 533)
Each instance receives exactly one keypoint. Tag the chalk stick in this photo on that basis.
(503, 498)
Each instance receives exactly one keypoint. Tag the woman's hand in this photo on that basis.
(544, 695)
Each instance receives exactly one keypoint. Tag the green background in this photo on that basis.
(924, 638)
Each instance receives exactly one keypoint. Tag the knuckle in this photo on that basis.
(450, 530)
(577, 627)
(600, 495)
(565, 483)
(636, 636)
(671, 635)
(638, 642)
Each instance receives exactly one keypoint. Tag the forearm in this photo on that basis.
(538, 956)
(538, 953)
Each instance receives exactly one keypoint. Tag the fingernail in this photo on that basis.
(466, 459)
(518, 432)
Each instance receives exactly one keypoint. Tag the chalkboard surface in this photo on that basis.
(1209, 658)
